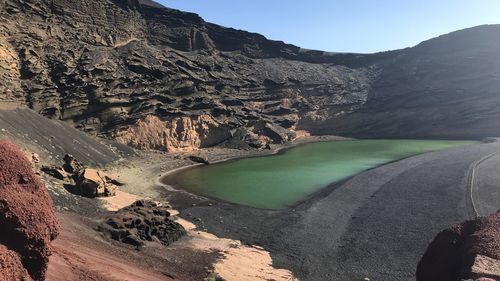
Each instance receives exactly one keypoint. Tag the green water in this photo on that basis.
(282, 180)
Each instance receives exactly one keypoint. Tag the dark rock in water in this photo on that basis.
(140, 222)
(467, 251)
(27, 221)
(199, 159)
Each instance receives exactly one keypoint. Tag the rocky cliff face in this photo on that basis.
(105, 66)
(181, 134)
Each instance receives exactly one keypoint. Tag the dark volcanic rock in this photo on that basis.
(71, 165)
(104, 73)
(456, 253)
(199, 159)
(140, 222)
(55, 172)
(28, 223)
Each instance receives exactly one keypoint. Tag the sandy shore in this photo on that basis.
(238, 261)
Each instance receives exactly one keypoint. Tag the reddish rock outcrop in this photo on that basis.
(11, 267)
(460, 252)
(28, 223)
(140, 222)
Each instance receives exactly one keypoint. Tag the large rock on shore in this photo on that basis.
(27, 220)
(140, 222)
(93, 183)
(466, 251)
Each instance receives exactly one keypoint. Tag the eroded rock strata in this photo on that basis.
(28, 223)
(112, 67)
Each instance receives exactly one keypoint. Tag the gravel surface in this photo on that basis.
(376, 224)
(487, 187)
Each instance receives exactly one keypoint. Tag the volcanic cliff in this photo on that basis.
(128, 68)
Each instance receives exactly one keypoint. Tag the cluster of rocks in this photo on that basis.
(83, 181)
(261, 134)
(27, 221)
(140, 222)
(468, 251)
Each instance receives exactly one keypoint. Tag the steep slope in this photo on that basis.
(52, 139)
(444, 87)
(106, 66)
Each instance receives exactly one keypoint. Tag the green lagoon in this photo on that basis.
(282, 180)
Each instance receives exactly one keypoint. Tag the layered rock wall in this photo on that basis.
(103, 65)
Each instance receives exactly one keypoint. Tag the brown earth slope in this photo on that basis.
(106, 65)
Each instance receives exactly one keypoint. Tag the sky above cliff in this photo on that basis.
(346, 25)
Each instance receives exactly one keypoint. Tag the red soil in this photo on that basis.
(26, 216)
(80, 254)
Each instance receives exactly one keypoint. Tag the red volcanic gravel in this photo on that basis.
(28, 223)
(11, 267)
(451, 254)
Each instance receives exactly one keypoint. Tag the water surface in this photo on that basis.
(282, 180)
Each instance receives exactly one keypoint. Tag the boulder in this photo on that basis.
(140, 222)
(93, 183)
(55, 172)
(199, 159)
(27, 220)
(35, 158)
(259, 134)
(466, 251)
(275, 133)
(71, 165)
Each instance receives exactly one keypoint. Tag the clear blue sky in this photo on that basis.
(346, 25)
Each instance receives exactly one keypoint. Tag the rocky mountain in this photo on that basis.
(155, 77)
